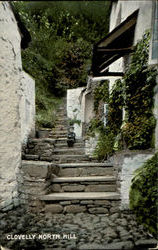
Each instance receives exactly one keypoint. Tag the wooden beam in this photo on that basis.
(108, 74)
(119, 30)
(114, 51)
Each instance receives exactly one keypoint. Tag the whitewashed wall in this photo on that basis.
(12, 89)
(129, 165)
(74, 108)
(27, 107)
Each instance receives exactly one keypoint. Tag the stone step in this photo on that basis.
(43, 140)
(85, 169)
(89, 164)
(59, 136)
(30, 157)
(64, 145)
(80, 196)
(84, 179)
(60, 131)
(82, 187)
(64, 140)
(36, 169)
(69, 150)
(70, 158)
(83, 184)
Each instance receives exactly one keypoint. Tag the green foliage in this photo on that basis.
(73, 121)
(135, 93)
(108, 135)
(95, 126)
(63, 33)
(139, 82)
(105, 144)
(143, 194)
(46, 106)
(116, 102)
(101, 93)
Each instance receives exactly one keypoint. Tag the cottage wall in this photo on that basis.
(12, 90)
(128, 162)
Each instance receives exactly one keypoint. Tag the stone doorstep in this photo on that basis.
(80, 196)
(84, 179)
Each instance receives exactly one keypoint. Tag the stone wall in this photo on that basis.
(126, 163)
(11, 91)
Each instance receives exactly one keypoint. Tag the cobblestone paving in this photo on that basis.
(72, 231)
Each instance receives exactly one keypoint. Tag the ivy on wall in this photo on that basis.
(135, 93)
(139, 82)
(143, 194)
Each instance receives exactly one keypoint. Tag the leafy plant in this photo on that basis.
(139, 82)
(62, 35)
(143, 194)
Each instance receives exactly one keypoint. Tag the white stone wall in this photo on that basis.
(27, 107)
(74, 110)
(129, 165)
(11, 93)
(90, 145)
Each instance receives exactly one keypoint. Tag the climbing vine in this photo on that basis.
(135, 94)
(139, 82)
(143, 194)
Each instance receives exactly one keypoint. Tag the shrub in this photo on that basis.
(143, 194)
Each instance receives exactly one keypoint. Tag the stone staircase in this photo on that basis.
(74, 182)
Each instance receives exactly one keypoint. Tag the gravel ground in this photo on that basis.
(21, 230)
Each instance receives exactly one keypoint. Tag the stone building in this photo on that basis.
(129, 20)
(17, 104)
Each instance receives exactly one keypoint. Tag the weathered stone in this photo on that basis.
(75, 201)
(100, 188)
(74, 209)
(114, 209)
(145, 242)
(56, 188)
(113, 217)
(35, 169)
(65, 203)
(53, 208)
(102, 202)
(74, 188)
(109, 232)
(98, 210)
(119, 245)
(86, 202)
